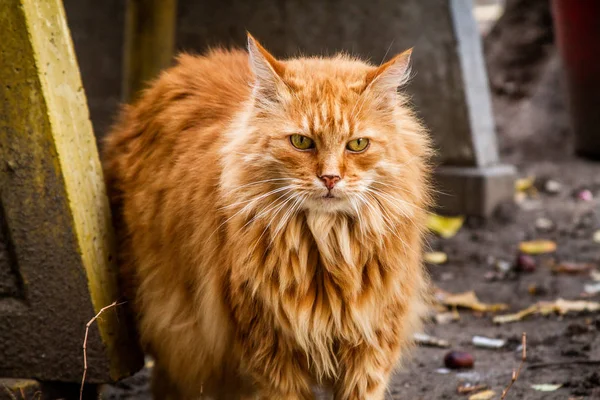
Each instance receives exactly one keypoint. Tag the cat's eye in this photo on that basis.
(302, 142)
(358, 145)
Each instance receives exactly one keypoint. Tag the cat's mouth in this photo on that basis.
(330, 196)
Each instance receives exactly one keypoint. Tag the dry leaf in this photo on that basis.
(436, 257)
(446, 317)
(537, 247)
(524, 184)
(572, 268)
(559, 306)
(467, 300)
(445, 227)
(485, 395)
(546, 387)
(470, 388)
(426, 340)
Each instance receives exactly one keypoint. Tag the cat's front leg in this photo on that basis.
(278, 370)
(365, 373)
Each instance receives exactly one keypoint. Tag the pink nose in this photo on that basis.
(330, 180)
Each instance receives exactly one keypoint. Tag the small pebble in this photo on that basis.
(503, 266)
(458, 360)
(552, 187)
(525, 263)
(544, 224)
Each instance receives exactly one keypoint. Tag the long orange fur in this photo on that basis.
(247, 282)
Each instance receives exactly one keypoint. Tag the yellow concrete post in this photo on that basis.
(149, 42)
(54, 211)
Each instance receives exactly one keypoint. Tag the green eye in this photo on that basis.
(358, 145)
(302, 142)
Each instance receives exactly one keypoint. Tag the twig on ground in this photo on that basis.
(516, 373)
(87, 330)
(562, 363)
(9, 392)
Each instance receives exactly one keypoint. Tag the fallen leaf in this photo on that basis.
(537, 247)
(467, 300)
(470, 388)
(445, 227)
(446, 317)
(572, 268)
(524, 184)
(559, 306)
(596, 237)
(485, 395)
(546, 387)
(424, 339)
(436, 257)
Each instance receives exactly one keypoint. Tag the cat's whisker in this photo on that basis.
(257, 183)
(265, 211)
(292, 211)
(390, 227)
(258, 198)
(399, 203)
(248, 206)
(269, 225)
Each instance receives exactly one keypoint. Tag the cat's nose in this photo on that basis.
(330, 180)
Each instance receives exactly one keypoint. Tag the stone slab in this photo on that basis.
(473, 191)
(55, 216)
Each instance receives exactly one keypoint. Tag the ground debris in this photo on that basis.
(572, 268)
(424, 339)
(467, 300)
(443, 226)
(485, 395)
(546, 387)
(435, 257)
(560, 306)
(467, 388)
(488, 343)
(459, 360)
(540, 246)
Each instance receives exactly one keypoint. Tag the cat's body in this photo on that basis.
(258, 269)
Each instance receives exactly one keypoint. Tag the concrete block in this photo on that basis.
(474, 190)
(57, 243)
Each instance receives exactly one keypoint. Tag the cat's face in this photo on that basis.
(329, 131)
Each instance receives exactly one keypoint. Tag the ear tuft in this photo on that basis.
(267, 70)
(389, 76)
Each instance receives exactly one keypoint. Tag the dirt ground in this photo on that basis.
(534, 136)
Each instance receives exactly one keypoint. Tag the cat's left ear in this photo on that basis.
(267, 70)
(391, 75)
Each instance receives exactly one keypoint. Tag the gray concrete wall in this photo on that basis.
(375, 30)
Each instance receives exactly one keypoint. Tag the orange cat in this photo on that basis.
(270, 216)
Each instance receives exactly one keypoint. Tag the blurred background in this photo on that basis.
(508, 88)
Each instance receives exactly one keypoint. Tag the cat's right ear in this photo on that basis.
(268, 72)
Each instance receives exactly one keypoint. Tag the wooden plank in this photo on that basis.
(149, 42)
(56, 216)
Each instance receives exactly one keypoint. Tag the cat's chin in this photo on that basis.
(327, 204)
